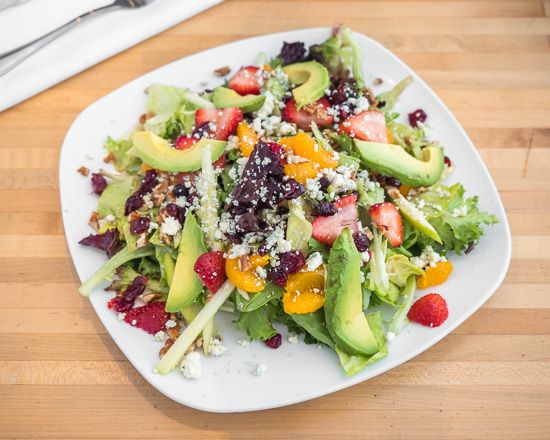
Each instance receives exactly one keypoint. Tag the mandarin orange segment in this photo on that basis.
(300, 302)
(435, 275)
(247, 279)
(306, 280)
(302, 171)
(247, 138)
(305, 146)
(389, 135)
(144, 167)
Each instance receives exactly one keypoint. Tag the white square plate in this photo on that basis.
(295, 372)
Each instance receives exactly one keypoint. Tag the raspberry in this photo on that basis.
(430, 310)
(151, 317)
(210, 267)
(274, 341)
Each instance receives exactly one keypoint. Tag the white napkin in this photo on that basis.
(85, 45)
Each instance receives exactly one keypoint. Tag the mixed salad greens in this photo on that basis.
(291, 195)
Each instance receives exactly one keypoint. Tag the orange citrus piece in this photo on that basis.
(404, 190)
(247, 138)
(389, 135)
(302, 171)
(435, 275)
(306, 301)
(247, 279)
(305, 146)
(306, 280)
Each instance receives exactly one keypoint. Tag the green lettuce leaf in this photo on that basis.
(400, 268)
(400, 320)
(111, 201)
(315, 325)
(257, 300)
(456, 218)
(122, 160)
(257, 323)
(389, 98)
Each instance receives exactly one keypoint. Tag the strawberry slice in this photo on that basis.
(151, 317)
(210, 267)
(184, 142)
(316, 111)
(221, 162)
(246, 81)
(386, 218)
(369, 125)
(327, 229)
(222, 123)
(430, 310)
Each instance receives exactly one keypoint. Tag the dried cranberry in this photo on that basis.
(293, 189)
(108, 241)
(99, 183)
(126, 300)
(392, 181)
(470, 247)
(262, 249)
(281, 210)
(139, 225)
(175, 211)
(381, 179)
(180, 190)
(135, 201)
(279, 151)
(292, 52)
(274, 341)
(235, 239)
(291, 262)
(417, 116)
(149, 181)
(324, 183)
(361, 241)
(341, 91)
(248, 222)
(278, 276)
(447, 161)
(324, 209)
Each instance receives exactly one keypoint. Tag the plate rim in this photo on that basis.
(358, 379)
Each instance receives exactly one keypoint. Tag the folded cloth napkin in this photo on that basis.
(87, 44)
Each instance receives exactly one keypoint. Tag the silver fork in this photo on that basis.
(13, 58)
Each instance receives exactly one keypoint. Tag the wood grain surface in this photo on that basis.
(62, 377)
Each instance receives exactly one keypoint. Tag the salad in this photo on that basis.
(289, 195)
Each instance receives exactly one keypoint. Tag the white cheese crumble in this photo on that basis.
(293, 338)
(152, 226)
(159, 336)
(390, 336)
(314, 261)
(232, 143)
(365, 256)
(341, 179)
(216, 348)
(261, 272)
(170, 323)
(170, 226)
(244, 342)
(313, 189)
(191, 367)
(361, 104)
(460, 212)
(238, 250)
(121, 316)
(110, 218)
(260, 369)
(428, 258)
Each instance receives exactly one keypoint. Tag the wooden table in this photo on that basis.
(61, 375)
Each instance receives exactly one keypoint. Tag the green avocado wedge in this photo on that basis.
(224, 97)
(186, 286)
(157, 152)
(313, 80)
(393, 160)
(344, 316)
(414, 216)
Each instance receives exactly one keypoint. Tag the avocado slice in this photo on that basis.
(157, 152)
(224, 97)
(186, 286)
(346, 322)
(413, 215)
(314, 80)
(393, 160)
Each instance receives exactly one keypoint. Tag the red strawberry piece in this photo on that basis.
(246, 81)
(227, 122)
(184, 142)
(387, 219)
(327, 229)
(430, 310)
(151, 317)
(316, 111)
(221, 162)
(369, 125)
(210, 267)
(222, 122)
